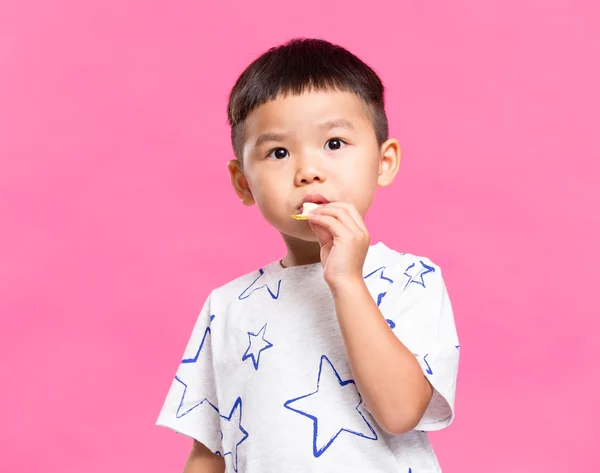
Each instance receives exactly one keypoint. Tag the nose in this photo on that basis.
(309, 170)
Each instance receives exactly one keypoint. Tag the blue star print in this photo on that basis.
(256, 345)
(416, 272)
(182, 411)
(181, 378)
(252, 288)
(328, 423)
(194, 359)
(378, 287)
(380, 284)
(428, 370)
(233, 434)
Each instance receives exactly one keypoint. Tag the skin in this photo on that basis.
(202, 460)
(324, 143)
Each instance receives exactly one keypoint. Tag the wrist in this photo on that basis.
(349, 286)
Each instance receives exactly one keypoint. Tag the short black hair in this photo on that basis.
(301, 65)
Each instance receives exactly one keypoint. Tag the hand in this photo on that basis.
(344, 241)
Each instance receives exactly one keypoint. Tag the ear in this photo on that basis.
(389, 162)
(239, 182)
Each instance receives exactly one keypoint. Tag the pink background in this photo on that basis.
(118, 218)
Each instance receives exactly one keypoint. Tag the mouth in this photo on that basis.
(313, 199)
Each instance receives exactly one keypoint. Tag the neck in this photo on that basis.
(300, 252)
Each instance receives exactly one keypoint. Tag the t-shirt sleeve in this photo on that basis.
(191, 405)
(426, 326)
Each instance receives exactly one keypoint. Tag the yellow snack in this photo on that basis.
(306, 207)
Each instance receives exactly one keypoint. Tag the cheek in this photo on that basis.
(267, 193)
(360, 168)
(360, 180)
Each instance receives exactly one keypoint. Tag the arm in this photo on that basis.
(386, 373)
(202, 460)
(388, 376)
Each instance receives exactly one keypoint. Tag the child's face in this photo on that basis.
(319, 143)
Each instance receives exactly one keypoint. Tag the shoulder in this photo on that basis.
(242, 287)
(399, 265)
(402, 276)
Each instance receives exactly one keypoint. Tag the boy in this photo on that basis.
(340, 356)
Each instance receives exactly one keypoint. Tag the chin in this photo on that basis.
(304, 235)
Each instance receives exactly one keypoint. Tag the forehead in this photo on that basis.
(307, 110)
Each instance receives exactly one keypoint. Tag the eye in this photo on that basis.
(279, 153)
(334, 144)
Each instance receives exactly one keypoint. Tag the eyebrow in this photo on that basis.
(278, 137)
(266, 137)
(337, 123)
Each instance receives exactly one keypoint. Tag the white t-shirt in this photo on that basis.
(265, 380)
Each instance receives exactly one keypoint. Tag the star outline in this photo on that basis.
(412, 279)
(261, 273)
(256, 360)
(381, 269)
(317, 452)
(236, 404)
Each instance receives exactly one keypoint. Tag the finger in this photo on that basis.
(352, 211)
(340, 214)
(324, 236)
(335, 227)
(343, 215)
